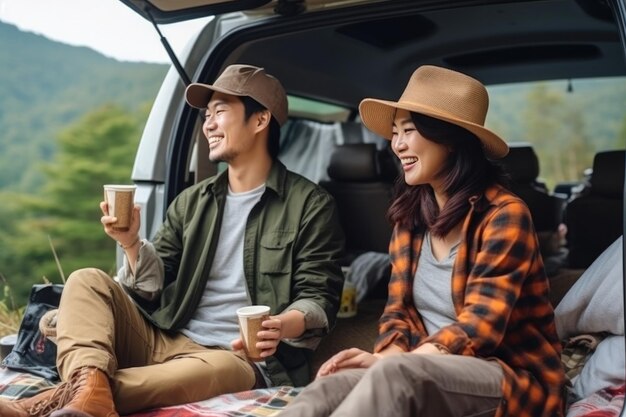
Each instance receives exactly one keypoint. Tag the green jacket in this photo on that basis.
(293, 243)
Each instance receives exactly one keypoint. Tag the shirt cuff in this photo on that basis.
(315, 324)
(147, 281)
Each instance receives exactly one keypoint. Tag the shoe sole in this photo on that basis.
(69, 413)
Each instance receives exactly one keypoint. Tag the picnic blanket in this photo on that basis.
(265, 402)
(268, 402)
(604, 403)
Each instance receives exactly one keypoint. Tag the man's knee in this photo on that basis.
(229, 371)
(88, 277)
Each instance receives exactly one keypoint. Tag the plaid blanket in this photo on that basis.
(266, 402)
(15, 385)
(257, 403)
(605, 403)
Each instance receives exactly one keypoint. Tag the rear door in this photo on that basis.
(171, 11)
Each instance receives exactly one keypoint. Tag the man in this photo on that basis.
(254, 234)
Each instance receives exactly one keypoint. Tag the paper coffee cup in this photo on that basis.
(250, 319)
(120, 199)
(6, 345)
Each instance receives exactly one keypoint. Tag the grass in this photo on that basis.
(10, 315)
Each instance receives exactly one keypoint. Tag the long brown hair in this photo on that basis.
(466, 172)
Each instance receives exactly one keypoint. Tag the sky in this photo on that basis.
(108, 26)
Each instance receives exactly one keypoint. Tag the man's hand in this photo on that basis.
(268, 338)
(124, 238)
(237, 346)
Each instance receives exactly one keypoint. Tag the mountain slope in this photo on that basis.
(45, 85)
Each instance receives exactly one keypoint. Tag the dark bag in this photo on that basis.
(33, 352)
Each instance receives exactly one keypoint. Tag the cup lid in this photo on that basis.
(119, 187)
(251, 311)
(9, 339)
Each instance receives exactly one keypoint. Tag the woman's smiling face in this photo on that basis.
(422, 159)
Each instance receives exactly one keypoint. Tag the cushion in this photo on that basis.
(595, 302)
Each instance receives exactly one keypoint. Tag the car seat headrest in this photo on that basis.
(607, 177)
(361, 162)
(354, 162)
(521, 164)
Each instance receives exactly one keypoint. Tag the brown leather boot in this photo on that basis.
(89, 395)
(40, 405)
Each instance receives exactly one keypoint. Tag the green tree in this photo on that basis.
(98, 149)
(543, 116)
(576, 151)
(556, 126)
(620, 142)
(9, 215)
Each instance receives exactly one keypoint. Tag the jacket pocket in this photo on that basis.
(275, 254)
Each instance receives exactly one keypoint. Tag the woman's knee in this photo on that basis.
(340, 383)
(402, 369)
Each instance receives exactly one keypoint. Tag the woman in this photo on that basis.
(468, 329)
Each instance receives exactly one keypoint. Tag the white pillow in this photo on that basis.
(605, 368)
(595, 302)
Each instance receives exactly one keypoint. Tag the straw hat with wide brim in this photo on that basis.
(443, 94)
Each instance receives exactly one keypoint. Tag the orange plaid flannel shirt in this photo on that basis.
(500, 295)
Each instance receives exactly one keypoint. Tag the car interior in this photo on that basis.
(341, 56)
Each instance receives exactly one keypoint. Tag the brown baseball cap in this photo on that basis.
(243, 80)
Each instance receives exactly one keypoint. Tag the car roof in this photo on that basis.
(343, 50)
(344, 55)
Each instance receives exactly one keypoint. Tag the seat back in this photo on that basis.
(595, 219)
(522, 165)
(361, 182)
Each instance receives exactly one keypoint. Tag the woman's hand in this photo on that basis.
(429, 349)
(346, 359)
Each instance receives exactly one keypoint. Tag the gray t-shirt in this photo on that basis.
(215, 321)
(432, 287)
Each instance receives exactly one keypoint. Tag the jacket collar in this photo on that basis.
(491, 196)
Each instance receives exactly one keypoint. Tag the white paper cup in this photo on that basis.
(120, 199)
(250, 319)
(6, 345)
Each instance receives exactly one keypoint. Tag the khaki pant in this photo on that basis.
(405, 385)
(98, 325)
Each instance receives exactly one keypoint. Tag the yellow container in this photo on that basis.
(348, 300)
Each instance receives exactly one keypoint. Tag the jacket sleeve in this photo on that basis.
(506, 254)
(157, 263)
(317, 278)
(168, 241)
(399, 324)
